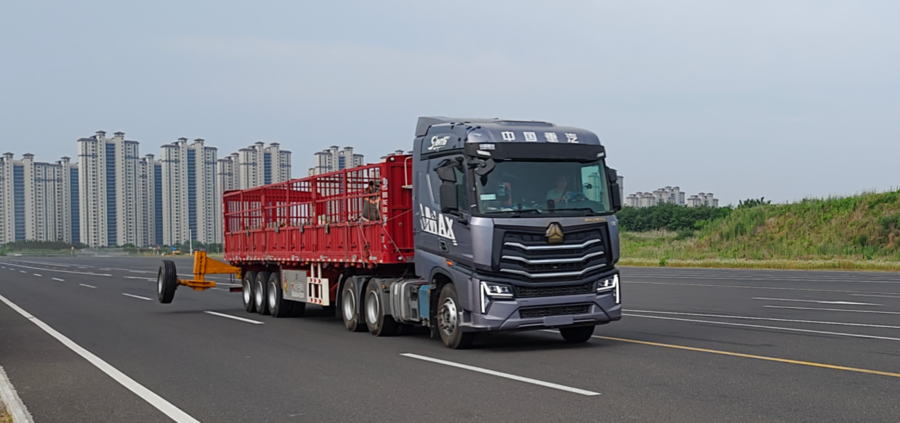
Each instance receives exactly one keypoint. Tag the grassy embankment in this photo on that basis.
(854, 233)
(4, 415)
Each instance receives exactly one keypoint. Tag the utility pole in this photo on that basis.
(191, 241)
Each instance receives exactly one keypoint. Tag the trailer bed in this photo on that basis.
(325, 219)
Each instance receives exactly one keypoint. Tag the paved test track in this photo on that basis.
(217, 369)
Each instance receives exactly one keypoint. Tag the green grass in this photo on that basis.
(858, 232)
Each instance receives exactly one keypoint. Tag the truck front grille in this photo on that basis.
(528, 292)
(529, 313)
(529, 255)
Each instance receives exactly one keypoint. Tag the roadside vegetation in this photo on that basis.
(857, 232)
(5, 417)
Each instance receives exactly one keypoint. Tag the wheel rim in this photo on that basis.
(248, 293)
(349, 304)
(259, 294)
(159, 283)
(447, 318)
(272, 289)
(373, 308)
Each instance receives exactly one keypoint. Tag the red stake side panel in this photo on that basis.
(320, 219)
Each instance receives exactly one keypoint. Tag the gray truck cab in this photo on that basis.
(515, 227)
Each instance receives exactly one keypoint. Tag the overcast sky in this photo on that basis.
(744, 99)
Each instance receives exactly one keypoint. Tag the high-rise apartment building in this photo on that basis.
(191, 206)
(110, 211)
(150, 188)
(36, 200)
(672, 195)
(333, 159)
(258, 165)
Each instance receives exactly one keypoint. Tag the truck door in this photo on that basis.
(442, 228)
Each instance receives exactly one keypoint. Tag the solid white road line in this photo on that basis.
(834, 309)
(161, 404)
(774, 288)
(851, 335)
(58, 279)
(879, 296)
(770, 319)
(137, 296)
(88, 286)
(815, 301)
(503, 375)
(228, 316)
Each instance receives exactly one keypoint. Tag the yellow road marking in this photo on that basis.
(757, 357)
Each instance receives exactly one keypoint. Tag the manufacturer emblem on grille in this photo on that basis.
(555, 234)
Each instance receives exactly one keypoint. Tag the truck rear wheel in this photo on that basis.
(278, 306)
(378, 323)
(577, 334)
(448, 320)
(350, 306)
(247, 283)
(260, 292)
(166, 281)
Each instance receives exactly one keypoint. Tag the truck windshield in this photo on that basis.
(555, 187)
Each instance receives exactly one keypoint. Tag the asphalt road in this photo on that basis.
(694, 345)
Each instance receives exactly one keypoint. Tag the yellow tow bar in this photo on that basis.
(203, 265)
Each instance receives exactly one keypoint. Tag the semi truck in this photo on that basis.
(486, 225)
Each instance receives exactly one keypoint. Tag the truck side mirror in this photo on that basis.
(449, 196)
(615, 195)
(446, 174)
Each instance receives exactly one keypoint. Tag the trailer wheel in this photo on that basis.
(350, 306)
(378, 323)
(247, 283)
(278, 306)
(578, 334)
(449, 322)
(166, 282)
(261, 293)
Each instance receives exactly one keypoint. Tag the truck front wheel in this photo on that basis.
(247, 283)
(577, 334)
(448, 314)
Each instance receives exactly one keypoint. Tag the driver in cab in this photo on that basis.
(559, 193)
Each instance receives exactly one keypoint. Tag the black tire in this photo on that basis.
(577, 335)
(350, 306)
(260, 291)
(166, 282)
(247, 293)
(278, 306)
(378, 323)
(448, 313)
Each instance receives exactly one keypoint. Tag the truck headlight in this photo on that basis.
(609, 284)
(493, 290)
(497, 290)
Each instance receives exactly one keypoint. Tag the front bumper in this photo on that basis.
(502, 314)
